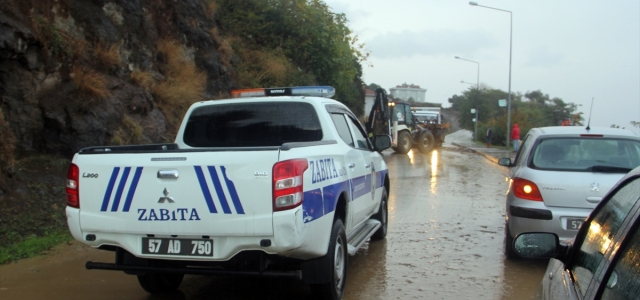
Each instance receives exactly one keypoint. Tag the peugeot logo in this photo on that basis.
(166, 197)
(595, 187)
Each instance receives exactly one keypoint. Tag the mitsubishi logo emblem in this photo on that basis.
(166, 197)
(595, 187)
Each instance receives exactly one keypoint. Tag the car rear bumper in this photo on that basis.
(544, 219)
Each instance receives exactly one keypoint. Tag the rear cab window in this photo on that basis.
(252, 125)
(582, 154)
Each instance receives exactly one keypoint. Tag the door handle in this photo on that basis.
(352, 165)
(367, 166)
(168, 174)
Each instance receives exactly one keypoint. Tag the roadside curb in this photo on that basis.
(486, 155)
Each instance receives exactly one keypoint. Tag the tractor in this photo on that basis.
(396, 119)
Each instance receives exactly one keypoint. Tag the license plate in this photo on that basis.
(171, 246)
(574, 224)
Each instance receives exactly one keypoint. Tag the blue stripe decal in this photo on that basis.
(360, 186)
(123, 181)
(317, 203)
(312, 205)
(331, 193)
(232, 190)
(205, 190)
(219, 191)
(132, 189)
(107, 193)
(381, 175)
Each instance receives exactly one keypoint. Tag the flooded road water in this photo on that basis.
(446, 216)
(446, 222)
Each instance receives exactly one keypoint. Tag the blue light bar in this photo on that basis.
(311, 91)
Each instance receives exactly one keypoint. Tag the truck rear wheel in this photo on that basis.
(404, 142)
(426, 142)
(160, 283)
(337, 258)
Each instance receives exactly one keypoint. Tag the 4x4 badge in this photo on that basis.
(595, 187)
(166, 197)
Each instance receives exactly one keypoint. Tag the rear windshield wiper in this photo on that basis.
(610, 169)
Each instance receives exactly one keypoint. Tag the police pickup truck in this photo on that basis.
(274, 182)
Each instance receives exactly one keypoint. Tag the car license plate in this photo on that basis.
(574, 224)
(172, 246)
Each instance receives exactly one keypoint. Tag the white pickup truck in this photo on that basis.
(282, 183)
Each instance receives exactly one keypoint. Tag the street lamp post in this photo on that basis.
(510, 52)
(475, 132)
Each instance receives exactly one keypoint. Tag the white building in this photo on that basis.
(409, 91)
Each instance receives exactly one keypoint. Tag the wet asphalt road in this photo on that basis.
(446, 222)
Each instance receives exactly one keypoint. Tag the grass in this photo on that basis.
(260, 68)
(224, 47)
(33, 246)
(90, 86)
(211, 8)
(183, 83)
(106, 57)
(130, 132)
(53, 38)
(143, 79)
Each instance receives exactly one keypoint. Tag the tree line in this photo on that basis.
(302, 33)
(529, 110)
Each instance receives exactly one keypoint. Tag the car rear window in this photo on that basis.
(583, 154)
(252, 125)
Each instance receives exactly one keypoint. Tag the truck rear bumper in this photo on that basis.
(127, 263)
(298, 240)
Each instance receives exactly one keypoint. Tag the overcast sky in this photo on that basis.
(573, 50)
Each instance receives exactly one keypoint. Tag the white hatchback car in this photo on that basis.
(560, 174)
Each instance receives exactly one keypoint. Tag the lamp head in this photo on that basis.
(472, 3)
(457, 57)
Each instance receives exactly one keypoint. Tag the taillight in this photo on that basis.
(73, 196)
(526, 189)
(287, 183)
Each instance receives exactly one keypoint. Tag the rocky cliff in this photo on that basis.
(75, 73)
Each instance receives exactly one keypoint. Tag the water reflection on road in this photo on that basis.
(446, 216)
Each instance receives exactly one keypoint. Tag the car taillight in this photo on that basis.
(73, 196)
(526, 189)
(287, 183)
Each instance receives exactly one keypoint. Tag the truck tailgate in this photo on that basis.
(179, 193)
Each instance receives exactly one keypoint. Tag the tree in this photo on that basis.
(373, 86)
(317, 41)
(536, 110)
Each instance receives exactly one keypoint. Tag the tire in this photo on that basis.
(404, 142)
(338, 258)
(160, 283)
(426, 142)
(508, 244)
(382, 216)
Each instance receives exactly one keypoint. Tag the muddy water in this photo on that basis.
(446, 215)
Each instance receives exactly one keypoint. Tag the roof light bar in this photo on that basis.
(312, 91)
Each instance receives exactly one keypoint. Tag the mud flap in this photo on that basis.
(317, 270)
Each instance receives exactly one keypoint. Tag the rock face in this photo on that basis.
(43, 42)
